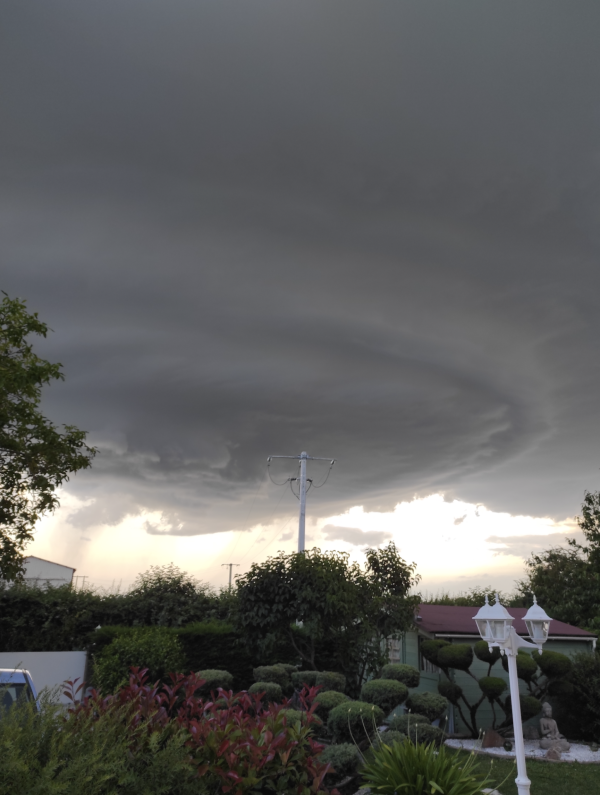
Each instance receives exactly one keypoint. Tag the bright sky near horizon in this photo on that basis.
(455, 544)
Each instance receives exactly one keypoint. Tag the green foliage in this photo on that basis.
(560, 688)
(35, 456)
(406, 674)
(99, 755)
(354, 721)
(450, 690)
(390, 736)
(386, 693)
(552, 663)
(293, 716)
(474, 597)
(289, 668)
(455, 655)
(329, 680)
(567, 581)
(301, 679)
(155, 648)
(326, 700)
(526, 665)
(492, 687)
(420, 770)
(431, 705)
(215, 679)
(579, 709)
(483, 653)
(430, 649)
(530, 706)
(272, 673)
(346, 613)
(344, 760)
(425, 733)
(400, 723)
(271, 691)
(217, 644)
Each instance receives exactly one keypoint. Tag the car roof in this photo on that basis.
(17, 676)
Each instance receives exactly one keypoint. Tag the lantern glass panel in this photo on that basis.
(498, 629)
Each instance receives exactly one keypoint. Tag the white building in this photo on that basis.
(44, 573)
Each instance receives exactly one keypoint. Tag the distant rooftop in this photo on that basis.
(454, 620)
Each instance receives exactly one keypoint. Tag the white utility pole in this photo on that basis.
(303, 458)
(231, 565)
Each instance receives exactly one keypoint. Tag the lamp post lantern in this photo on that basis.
(494, 623)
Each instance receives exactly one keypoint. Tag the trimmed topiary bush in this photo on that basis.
(302, 679)
(391, 736)
(492, 687)
(552, 663)
(483, 653)
(328, 700)
(456, 655)
(289, 668)
(425, 733)
(386, 693)
(406, 674)
(526, 665)
(530, 707)
(272, 673)
(561, 689)
(400, 723)
(296, 715)
(431, 648)
(214, 680)
(450, 690)
(344, 760)
(354, 721)
(271, 690)
(431, 705)
(329, 680)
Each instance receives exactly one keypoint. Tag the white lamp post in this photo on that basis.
(494, 623)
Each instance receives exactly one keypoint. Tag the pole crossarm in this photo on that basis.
(302, 480)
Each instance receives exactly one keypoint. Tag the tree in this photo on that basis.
(567, 580)
(35, 456)
(329, 609)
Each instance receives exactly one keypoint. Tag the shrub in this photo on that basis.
(483, 653)
(391, 736)
(401, 723)
(450, 690)
(406, 674)
(404, 767)
(329, 680)
(300, 716)
(425, 733)
(344, 760)
(271, 691)
(288, 667)
(526, 665)
(154, 648)
(217, 645)
(214, 679)
(354, 721)
(456, 655)
(431, 705)
(580, 710)
(552, 663)
(272, 673)
(492, 687)
(530, 707)
(325, 701)
(302, 679)
(431, 648)
(386, 693)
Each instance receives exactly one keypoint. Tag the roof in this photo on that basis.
(53, 562)
(454, 620)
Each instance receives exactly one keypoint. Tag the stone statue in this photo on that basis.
(550, 736)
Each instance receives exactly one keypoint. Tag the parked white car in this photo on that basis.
(16, 683)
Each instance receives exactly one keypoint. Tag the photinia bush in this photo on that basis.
(237, 744)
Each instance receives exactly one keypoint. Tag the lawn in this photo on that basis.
(547, 778)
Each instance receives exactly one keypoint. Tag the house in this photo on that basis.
(45, 573)
(456, 625)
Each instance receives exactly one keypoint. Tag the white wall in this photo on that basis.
(44, 572)
(47, 668)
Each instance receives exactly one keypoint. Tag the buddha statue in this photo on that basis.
(550, 736)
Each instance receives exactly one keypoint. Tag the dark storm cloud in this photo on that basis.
(356, 536)
(365, 230)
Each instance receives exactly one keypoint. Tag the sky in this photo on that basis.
(367, 230)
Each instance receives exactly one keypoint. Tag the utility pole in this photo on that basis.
(231, 565)
(302, 480)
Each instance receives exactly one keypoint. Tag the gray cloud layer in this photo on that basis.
(366, 230)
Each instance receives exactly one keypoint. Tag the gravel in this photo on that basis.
(577, 753)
